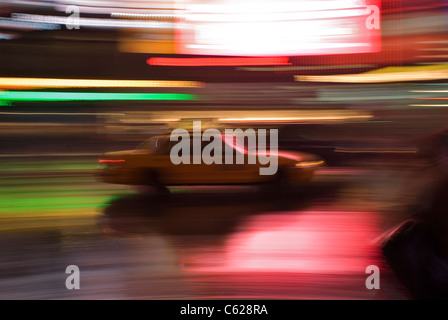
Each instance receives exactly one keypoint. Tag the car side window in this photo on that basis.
(164, 146)
(150, 144)
(167, 145)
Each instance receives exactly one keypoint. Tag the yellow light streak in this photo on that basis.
(40, 83)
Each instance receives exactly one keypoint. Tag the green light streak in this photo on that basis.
(58, 201)
(50, 168)
(50, 207)
(55, 201)
(35, 96)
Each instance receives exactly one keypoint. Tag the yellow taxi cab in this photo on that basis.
(151, 165)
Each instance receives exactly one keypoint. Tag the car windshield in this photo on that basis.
(153, 144)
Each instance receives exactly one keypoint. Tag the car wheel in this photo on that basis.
(152, 180)
(278, 184)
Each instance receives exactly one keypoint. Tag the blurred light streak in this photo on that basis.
(292, 119)
(48, 155)
(232, 7)
(241, 116)
(433, 98)
(8, 23)
(433, 84)
(429, 91)
(202, 62)
(293, 68)
(144, 16)
(62, 114)
(310, 163)
(145, 4)
(36, 3)
(8, 36)
(93, 22)
(111, 161)
(428, 105)
(434, 41)
(30, 205)
(433, 49)
(89, 96)
(119, 9)
(34, 83)
(276, 16)
(413, 7)
(431, 63)
(232, 142)
(388, 74)
(434, 56)
(147, 121)
(376, 151)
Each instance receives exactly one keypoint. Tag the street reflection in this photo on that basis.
(204, 212)
(259, 237)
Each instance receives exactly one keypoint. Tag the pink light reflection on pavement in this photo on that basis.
(325, 242)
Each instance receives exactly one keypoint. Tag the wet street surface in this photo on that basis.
(311, 242)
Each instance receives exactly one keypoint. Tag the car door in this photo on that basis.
(185, 173)
(232, 172)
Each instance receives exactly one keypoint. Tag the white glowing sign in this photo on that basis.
(264, 28)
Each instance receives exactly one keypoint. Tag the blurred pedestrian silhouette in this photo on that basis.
(418, 249)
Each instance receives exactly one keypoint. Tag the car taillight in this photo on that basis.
(111, 162)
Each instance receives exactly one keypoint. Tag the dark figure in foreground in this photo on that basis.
(418, 249)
